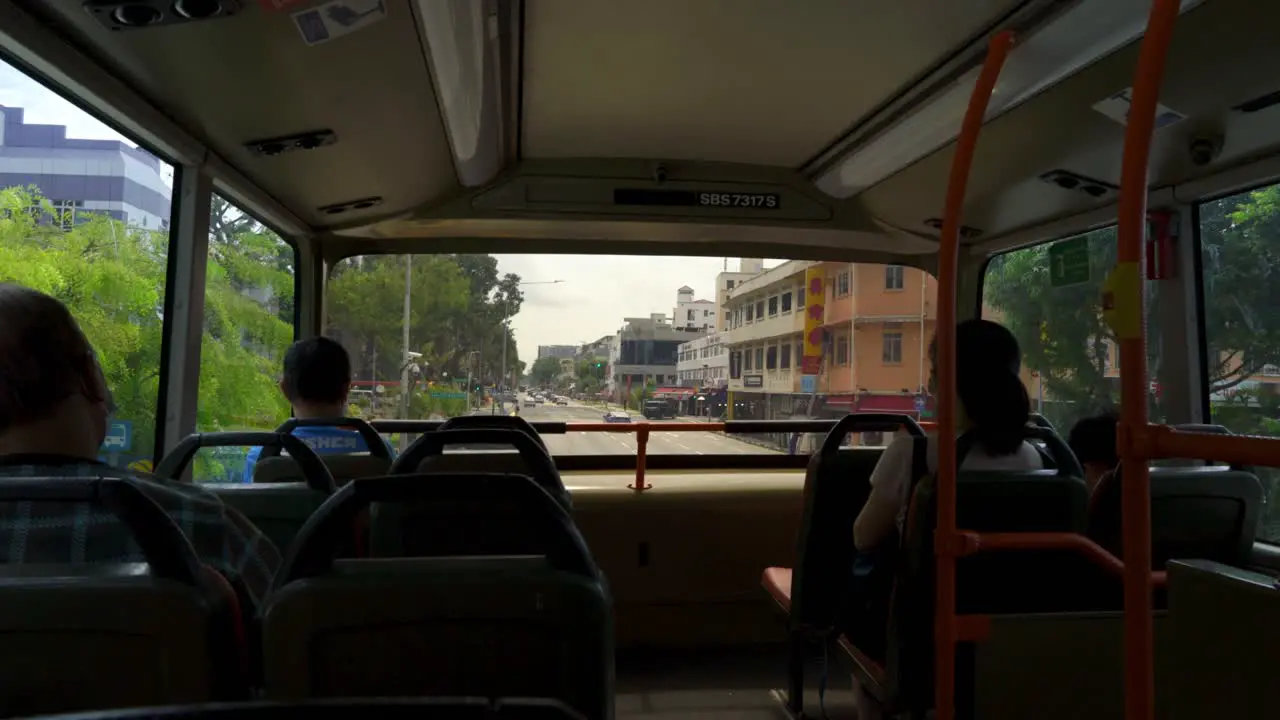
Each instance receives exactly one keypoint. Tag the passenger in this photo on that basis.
(316, 381)
(55, 408)
(1093, 440)
(993, 408)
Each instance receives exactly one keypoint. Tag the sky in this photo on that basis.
(595, 294)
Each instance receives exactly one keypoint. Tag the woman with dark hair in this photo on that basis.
(993, 409)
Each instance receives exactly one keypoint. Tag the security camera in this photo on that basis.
(660, 173)
(1205, 148)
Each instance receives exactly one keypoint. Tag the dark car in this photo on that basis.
(657, 410)
(617, 416)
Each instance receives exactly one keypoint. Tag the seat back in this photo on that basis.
(836, 486)
(498, 422)
(1200, 513)
(991, 582)
(273, 468)
(444, 527)
(94, 636)
(533, 625)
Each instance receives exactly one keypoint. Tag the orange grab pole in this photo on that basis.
(1082, 545)
(1129, 324)
(945, 627)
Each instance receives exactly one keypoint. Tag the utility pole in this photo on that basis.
(404, 360)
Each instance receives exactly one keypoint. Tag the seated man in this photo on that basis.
(54, 410)
(1093, 440)
(316, 381)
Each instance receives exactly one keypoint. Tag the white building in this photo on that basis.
(703, 362)
(727, 281)
(693, 314)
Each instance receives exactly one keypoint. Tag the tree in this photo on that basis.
(545, 371)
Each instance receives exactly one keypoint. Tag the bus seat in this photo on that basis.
(836, 485)
(500, 422)
(1198, 512)
(273, 467)
(80, 637)
(418, 529)
(279, 510)
(988, 582)
(528, 625)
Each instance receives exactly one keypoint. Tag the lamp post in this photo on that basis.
(503, 384)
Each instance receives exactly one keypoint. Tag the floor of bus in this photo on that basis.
(715, 684)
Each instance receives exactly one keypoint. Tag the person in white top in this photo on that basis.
(993, 408)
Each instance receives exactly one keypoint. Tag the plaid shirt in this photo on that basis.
(76, 533)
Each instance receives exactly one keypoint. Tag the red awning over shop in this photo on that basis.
(674, 392)
(896, 403)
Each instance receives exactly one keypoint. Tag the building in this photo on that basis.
(83, 176)
(598, 350)
(726, 281)
(702, 365)
(876, 323)
(557, 351)
(644, 353)
(693, 314)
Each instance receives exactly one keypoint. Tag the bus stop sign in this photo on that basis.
(1069, 262)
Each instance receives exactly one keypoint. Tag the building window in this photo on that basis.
(842, 284)
(773, 306)
(892, 348)
(800, 297)
(893, 279)
(842, 350)
(760, 309)
(746, 359)
(799, 351)
(771, 359)
(750, 309)
(64, 212)
(759, 358)
(785, 349)
(690, 315)
(786, 301)
(728, 285)
(735, 365)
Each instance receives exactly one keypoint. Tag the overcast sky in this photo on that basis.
(597, 292)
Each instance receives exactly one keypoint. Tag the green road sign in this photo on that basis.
(1069, 262)
(449, 395)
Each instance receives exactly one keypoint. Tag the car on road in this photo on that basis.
(562, 401)
(617, 416)
(531, 400)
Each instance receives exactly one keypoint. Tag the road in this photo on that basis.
(608, 443)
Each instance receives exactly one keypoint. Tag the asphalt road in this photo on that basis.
(609, 443)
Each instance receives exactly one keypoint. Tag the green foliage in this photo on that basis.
(545, 371)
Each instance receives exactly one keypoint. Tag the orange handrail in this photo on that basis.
(1129, 324)
(974, 542)
(945, 621)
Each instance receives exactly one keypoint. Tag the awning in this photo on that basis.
(893, 403)
(674, 392)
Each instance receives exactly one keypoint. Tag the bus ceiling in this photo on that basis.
(611, 126)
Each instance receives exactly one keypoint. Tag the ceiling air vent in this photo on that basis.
(1068, 180)
(301, 141)
(350, 206)
(139, 14)
(966, 232)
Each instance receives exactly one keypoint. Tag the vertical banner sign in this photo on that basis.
(1162, 238)
(815, 298)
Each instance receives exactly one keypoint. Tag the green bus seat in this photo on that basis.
(442, 527)
(278, 510)
(528, 625)
(78, 637)
(1201, 513)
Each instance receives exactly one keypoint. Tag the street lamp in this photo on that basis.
(503, 385)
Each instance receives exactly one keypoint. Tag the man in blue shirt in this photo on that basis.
(316, 380)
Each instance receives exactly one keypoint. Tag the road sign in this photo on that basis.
(119, 437)
(1069, 262)
(919, 404)
(808, 383)
(449, 395)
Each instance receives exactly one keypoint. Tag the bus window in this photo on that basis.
(1240, 254)
(84, 216)
(1071, 363)
(248, 325)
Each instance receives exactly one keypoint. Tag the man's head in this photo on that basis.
(1093, 440)
(53, 397)
(317, 377)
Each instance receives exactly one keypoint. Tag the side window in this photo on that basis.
(1240, 250)
(893, 279)
(1050, 296)
(99, 247)
(773, 306)
(248, 325)
(786, 301)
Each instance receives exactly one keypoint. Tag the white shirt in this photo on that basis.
(891, 483)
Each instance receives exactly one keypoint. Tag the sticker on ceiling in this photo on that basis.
(1116, 107)
(337, 18)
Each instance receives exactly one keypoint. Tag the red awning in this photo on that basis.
(674, 392)
(895, 403)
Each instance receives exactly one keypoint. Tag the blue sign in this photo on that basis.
(919, 404)
(808, 383)
(119, 437)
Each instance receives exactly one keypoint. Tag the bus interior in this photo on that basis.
(671, 576)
